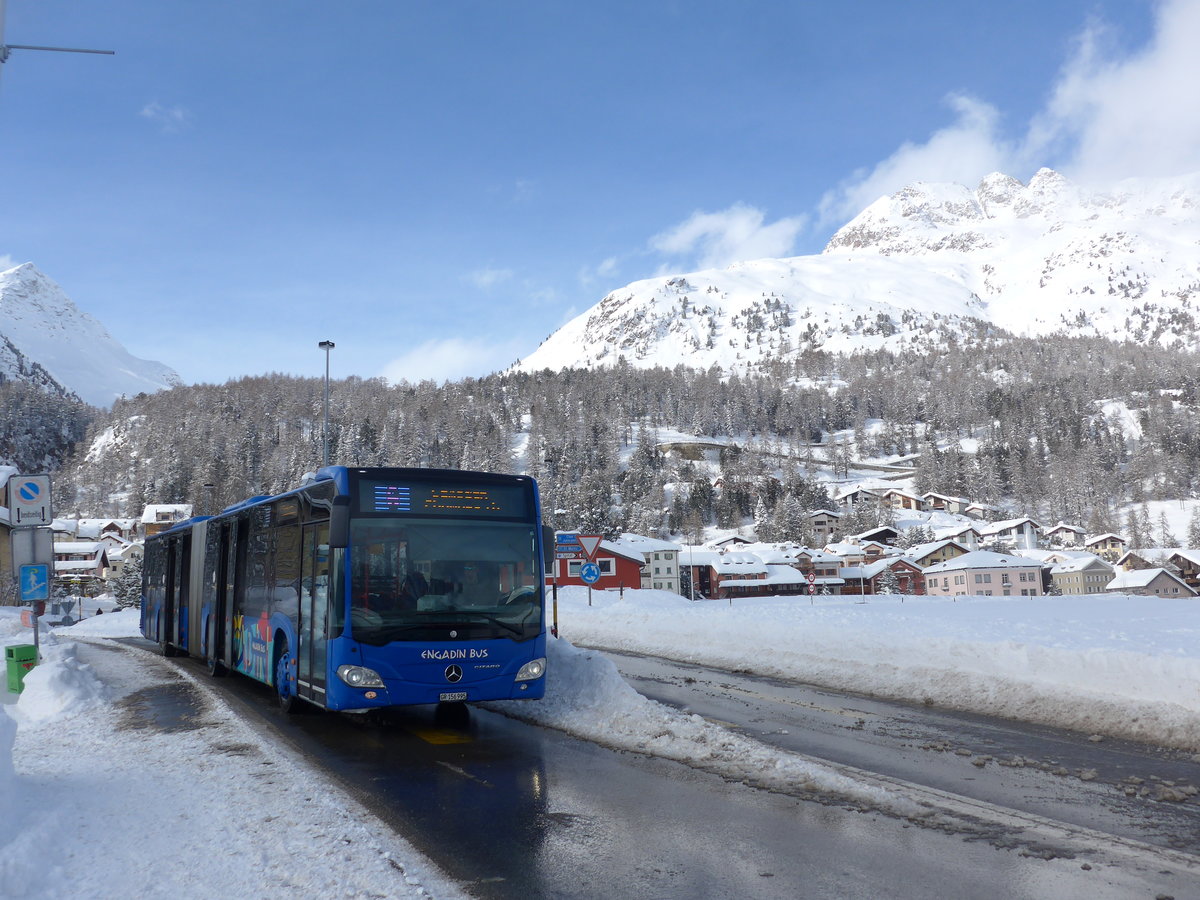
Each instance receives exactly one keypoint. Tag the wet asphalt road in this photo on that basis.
(1123, 788)
(512, 810)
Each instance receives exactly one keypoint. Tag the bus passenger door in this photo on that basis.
(314, 611)
(221, 619)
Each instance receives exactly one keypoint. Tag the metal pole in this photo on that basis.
(326, 346)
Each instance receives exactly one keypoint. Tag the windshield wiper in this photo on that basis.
(487, 617)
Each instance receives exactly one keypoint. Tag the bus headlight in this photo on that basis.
(359, 676)
(532, 670)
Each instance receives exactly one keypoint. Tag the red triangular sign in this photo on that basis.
(590, 542)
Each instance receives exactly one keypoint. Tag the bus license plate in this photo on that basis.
(456, 697)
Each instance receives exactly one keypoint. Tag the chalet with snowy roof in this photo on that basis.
(824, 523)
(855, 554)
(1022, 532)
(983, 573)
(1064, 535)
(1149, 583)
(882, 534)
(775, 581)
(981, 511)
(733, 541)
(1109, 546)
(934, 502)
(79, 559)
(850, 499)
(1187, 562)
(894, 575)
(1081, 575)
(930, 554)
(121, 554)
(968, 535)
(1142, 559)
(899, 499)
(161, 516)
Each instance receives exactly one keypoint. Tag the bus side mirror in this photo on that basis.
(547, 546)
(339, 523)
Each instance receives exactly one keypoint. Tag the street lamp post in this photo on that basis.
(326, 346)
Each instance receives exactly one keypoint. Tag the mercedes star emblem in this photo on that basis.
(453, 674)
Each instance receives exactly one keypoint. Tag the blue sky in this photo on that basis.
(437, 186)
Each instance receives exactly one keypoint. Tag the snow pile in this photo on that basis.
(1122, 665)
(587, 697)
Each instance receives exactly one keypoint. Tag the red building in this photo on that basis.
(618, 569)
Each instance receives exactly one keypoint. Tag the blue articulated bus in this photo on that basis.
(362, 589)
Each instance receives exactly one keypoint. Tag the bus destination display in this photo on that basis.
(442, 499)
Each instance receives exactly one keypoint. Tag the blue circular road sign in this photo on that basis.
(589, 573)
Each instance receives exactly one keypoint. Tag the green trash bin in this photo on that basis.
(19, 659)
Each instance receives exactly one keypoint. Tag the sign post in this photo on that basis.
(32, 543)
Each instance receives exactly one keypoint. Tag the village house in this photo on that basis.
(1081, 575)
(981, 511)
(855, 554)
(1064, 535)
(860, 495)
(968, 536)
(81, 564)
(161, 516)
(1109, 546)
(619, 566)
(1149, 583)
(932, 502)
(1017, 533)
(930, 554)
(1188, 564)
(899, 499)
(824, 524)
(660, 567)
(882, 534)
(904, 575)
(983, 573)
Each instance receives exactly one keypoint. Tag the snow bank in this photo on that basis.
(587, 697)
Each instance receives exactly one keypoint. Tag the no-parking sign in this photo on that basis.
(29, 500)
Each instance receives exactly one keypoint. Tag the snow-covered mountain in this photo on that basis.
(929, 262)
(47, 339)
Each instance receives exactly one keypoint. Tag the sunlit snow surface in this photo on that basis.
(89, 808)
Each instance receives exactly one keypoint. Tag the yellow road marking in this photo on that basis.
(441, 736)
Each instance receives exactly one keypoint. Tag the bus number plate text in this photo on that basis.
(454, 697)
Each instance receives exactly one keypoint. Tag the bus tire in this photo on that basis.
(217, 669)
(168, 649)
(285, 691)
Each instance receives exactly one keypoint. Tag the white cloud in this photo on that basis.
(450, 359)
(486, 279)
(1108, 117)
(7, 262)
(1128, 117)
(168, 118)
(590, 276)
(715, 240)
(963, 152)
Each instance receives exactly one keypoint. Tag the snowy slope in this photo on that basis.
(39, 324)
(912, 269)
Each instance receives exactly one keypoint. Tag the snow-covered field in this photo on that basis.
(92, 806)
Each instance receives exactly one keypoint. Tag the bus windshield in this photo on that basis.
(420, 580)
